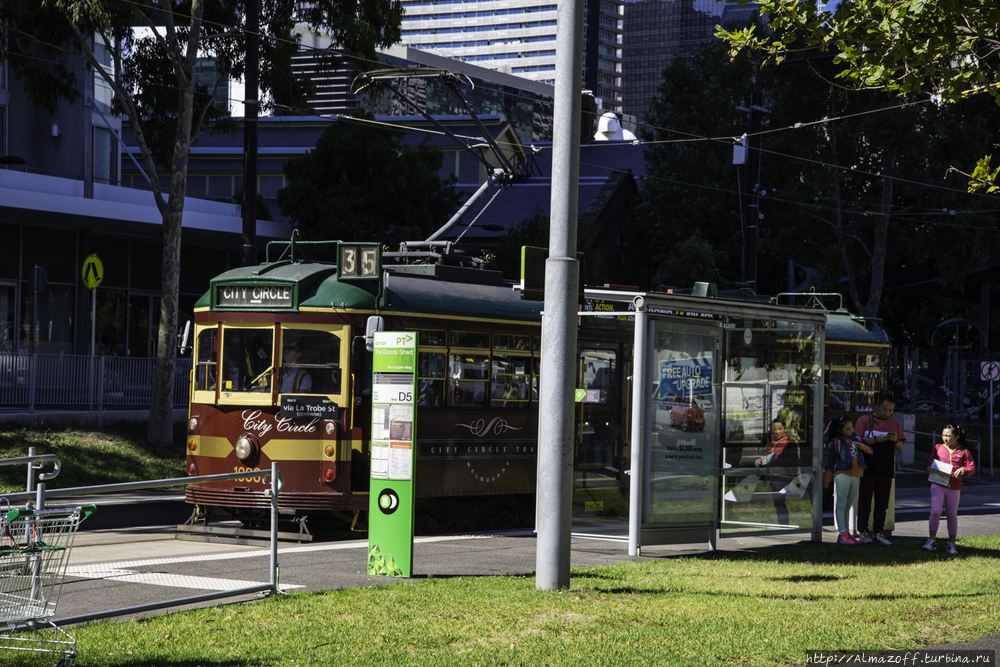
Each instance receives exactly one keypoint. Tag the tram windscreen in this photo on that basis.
(310, 362)
(247, 359)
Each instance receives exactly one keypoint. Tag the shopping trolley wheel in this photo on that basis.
(68, 661)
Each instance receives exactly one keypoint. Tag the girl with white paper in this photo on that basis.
(953, 458)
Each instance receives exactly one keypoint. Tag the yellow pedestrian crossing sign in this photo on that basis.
(93, 271)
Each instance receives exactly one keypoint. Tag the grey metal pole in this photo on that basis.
(554, 497)
(640, 404)
(817, 458)
(274, 525)
(30, 487)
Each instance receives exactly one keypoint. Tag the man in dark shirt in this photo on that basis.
(885, 436)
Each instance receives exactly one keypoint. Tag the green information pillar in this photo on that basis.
(394, 428)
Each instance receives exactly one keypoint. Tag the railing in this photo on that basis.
(84, 383)
(37, 494)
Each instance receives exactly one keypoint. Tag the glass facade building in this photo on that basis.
(519, 38)
(657, 31)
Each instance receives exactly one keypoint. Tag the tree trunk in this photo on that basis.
(161, 409)
(870, 309)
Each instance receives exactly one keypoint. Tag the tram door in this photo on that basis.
(601, 456)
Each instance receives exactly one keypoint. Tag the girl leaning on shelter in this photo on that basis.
(951, 462)
(845, 466)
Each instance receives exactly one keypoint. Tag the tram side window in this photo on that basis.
(310, 362)
(868, 384)
(841, 389)
(431, 370)
(511, 376)
(247, 360)
(207, 355)
(469, 369)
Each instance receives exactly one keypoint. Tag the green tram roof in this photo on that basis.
(431, 289)
(842, 327)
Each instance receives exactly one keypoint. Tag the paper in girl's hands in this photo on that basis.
(939, 473)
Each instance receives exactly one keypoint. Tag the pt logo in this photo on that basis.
(388, 501)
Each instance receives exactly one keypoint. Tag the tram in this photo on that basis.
(282, 373)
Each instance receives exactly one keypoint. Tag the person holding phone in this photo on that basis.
(884, 434)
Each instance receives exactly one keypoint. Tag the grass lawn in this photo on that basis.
(106, 456)
(732, 609)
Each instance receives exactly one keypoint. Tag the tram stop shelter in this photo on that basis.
(702, 379)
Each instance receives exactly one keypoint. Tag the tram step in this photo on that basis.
(188, 532)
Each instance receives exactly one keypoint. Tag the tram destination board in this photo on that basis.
(253, 296)
(297, 406)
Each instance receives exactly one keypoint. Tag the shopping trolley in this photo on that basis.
(34, 552)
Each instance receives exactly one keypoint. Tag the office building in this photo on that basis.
(519, 38)
(657, 31)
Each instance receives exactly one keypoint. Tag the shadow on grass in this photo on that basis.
(198, 662)
(904, 551)
(808, 578)
(792, 595)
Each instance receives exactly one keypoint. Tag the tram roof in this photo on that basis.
(418, 289)
(844, 327)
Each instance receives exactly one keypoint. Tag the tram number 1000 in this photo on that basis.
(256, 480)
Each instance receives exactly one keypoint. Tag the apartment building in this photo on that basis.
(519, 37)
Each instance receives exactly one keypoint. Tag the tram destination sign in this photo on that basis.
(298, 406)
(254, 296)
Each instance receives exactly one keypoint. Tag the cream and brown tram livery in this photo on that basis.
(282, 373)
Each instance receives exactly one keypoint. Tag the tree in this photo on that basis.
(534, 231)
(949, 48)
(689, 202)
(156, 46)
(361, 183)
(848, 187)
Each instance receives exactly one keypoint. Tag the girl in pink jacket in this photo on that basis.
(952, 451)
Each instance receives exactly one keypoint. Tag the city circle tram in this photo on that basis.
(282, 373)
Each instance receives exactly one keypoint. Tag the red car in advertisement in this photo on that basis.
(686, 414)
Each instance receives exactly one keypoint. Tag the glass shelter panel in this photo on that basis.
(768, 398)
(683, 484)
(600, 451)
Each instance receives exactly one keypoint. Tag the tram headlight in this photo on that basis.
(192, 423)
(245, 448)
(331, 428)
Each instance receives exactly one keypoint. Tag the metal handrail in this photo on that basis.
(33, 458)
(134, 486)
(277, 483)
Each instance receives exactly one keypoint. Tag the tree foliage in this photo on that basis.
(908, 46)
(948, 49)
(851, 183)
(361, 183)
(534, 231)
(690, 200)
